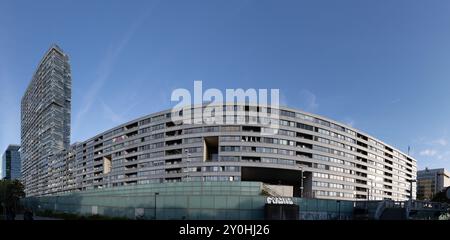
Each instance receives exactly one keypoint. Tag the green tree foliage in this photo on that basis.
(441, 196)
(10, 193)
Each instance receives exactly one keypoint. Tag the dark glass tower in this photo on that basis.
(11, 163)
(45, 120)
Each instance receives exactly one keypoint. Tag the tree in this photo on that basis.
(441, 196)
(10, 193)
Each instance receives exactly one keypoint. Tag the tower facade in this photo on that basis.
(45, 119)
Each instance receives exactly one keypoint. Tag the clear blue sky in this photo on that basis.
(381, 66)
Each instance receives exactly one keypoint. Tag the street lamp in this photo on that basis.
(411, 194)
(301, 183)
(339, 211)
(369, 193)
(156, 194)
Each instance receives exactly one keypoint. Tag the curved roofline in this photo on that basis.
(280, 107)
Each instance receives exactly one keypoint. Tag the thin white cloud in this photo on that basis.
(349, 122)
(105, 69)
(428, 153)
(110, 115)
(309, 100)
(440, 141)
(434, 152)
(115, 117)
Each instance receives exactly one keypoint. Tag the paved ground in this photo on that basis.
(20, 217)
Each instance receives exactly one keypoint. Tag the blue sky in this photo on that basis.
(381, 66)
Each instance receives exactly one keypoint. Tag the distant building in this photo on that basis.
(11, 164)
(431, 181)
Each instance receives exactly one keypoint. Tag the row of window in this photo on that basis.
(213, 169)
(334, 143)
(333, 177)
(319, 148)
(336, 135)
(332, 194)
(332, 185)
(333, 151)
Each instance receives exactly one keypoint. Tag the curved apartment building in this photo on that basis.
(312, 156)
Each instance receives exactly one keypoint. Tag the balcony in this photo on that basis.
(174, 142)
(173, 152)
(174, 133)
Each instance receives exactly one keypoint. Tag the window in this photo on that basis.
(193, 150)
(229, 148)
(193, 130)
(304, 126)
(230, 138)
(323, 131)
(231, 129)
(320, 175)
(322, 122)
(305, 117)
(211, 129)
(192, 140)
(229, 158)
(287, 113)
(286, 133)
(337, 127)
(145, 121)
(321, 149)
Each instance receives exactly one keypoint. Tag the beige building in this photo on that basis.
(431, 181)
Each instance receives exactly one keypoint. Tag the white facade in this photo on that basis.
(336, 161)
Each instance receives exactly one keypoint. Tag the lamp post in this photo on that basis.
(301, 184)
(339, 211)
(369, 193)
(156, 194)
(410, 195)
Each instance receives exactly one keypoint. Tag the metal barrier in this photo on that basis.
(232, 201)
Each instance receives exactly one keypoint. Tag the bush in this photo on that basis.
(441, 196)
(10, 193)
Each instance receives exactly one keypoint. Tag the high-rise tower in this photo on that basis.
(11, 163)
(45, 120)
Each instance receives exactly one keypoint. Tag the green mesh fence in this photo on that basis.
(192, 200)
